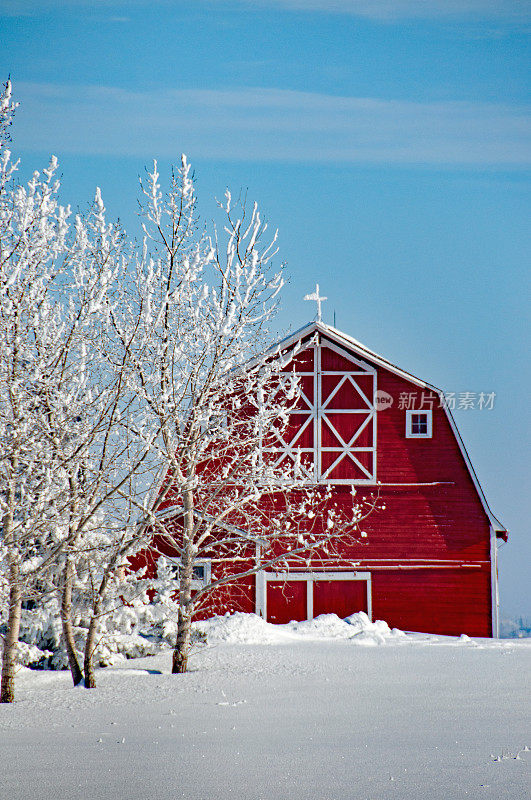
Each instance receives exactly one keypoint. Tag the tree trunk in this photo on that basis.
(184, 625)
(90, 646)
(182, 648)
(66, 621)
(9, 656)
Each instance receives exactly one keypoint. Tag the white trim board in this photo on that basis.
(494, 592)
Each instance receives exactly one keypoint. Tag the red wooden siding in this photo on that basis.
(442, 521)
(422, 525)
(237, 596)
(435, 601)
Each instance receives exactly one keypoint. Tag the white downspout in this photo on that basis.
(495, 596)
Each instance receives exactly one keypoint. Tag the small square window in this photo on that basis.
(418, 424)
(200, 571)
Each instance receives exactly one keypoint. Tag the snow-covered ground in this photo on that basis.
(309, 711)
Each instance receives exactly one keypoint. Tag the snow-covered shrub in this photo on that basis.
(139, 617)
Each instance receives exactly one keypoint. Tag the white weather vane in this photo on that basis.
(318, 299)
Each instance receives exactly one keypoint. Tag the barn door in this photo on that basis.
(286, 601)
(331, 436)
(283, 597)
(339, 597)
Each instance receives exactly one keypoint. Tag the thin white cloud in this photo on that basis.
(34, 8)
(267, 125)
(409, 9)
(374, 9)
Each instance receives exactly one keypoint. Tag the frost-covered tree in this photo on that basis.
(33, 481)
(212, 394)
(65, 455)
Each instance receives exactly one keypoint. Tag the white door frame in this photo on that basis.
(262, 578)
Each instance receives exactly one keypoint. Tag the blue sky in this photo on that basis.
(388, 140)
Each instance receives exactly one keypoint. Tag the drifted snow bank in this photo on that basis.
(242, 628)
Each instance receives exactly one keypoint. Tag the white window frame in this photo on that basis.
(409, 424)
(203, 562)
(263, 577)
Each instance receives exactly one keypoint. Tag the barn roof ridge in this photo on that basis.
(362, 350)
(350, 342)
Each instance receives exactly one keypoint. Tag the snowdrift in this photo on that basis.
(243, 628)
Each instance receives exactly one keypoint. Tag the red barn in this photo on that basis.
(427, 561)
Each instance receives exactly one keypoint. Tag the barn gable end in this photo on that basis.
(426, 559)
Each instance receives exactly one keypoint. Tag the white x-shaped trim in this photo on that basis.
(318, 413)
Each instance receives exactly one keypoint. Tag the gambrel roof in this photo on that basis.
(355, 348)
